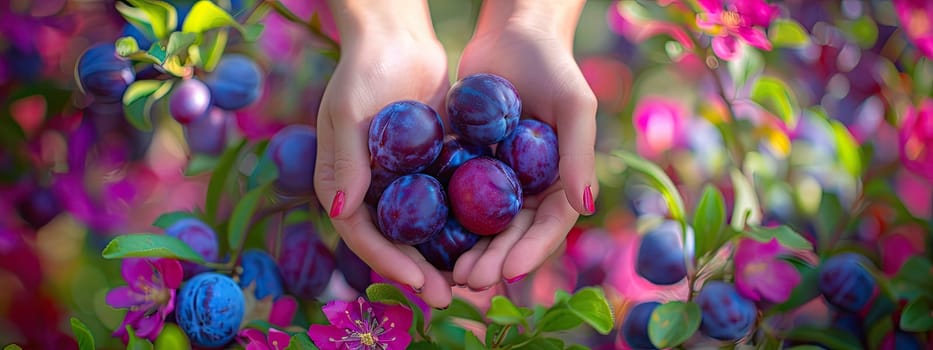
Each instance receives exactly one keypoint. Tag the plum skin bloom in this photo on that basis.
(149, 295)
(360, 325)
(731, 19)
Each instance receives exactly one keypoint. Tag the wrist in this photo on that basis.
(359, 20)
(557, 18)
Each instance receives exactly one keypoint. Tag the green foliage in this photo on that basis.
(205, 15)
(389, 294)
(150, 246)
(301, 341)
(139, 99)
(658, 180)
(785, 235)
(775, 96)
(137, 343)
(172, 338)
(787, 33)
(673, 323)
(709, 221)
(242, 216)
(168, 219)
(82, 335)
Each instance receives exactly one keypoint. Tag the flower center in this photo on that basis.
(367, 339)
(730, 19)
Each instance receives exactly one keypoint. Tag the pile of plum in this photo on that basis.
(440, 192)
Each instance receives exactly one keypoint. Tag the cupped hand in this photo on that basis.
(540, 64)
(372, 73)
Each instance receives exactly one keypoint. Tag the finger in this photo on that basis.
(436, 291)
(552, 222)
(464, 265)
(488, 269)
(576, 138)
(324, 184)
(375, 250)
(351, 163)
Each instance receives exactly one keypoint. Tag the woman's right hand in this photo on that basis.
(386, 56)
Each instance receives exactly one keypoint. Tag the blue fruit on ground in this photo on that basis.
(40, 207)
(104, 74)
(726, 314)
(209, 309)
(412, 210)
(294, 152)
(846, 283)
(354, 270)
(661, 252)
(531, 150)
(483, 108)
(305, 262)
(200, 237)
(190, 101)
(635, 326)
(445, 248)
(485, 195)
(235, 83)
(453, 154)
(405, 136)
(259, 268)
(208, 135)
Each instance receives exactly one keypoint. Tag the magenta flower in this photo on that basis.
(149, 295)
(760, 275)
(915, 17)
(254, 339)
(659, 124)
(916, 139)
(729, 21)
(361, 325)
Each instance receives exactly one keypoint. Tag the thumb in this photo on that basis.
(344, 158)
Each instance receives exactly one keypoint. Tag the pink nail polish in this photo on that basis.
(516, 278)
(337, 205)
(588, 204)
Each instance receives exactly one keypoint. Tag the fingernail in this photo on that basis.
(337, 205)
(516, 278)
(414, 290)
(480, 289)
(588, 204)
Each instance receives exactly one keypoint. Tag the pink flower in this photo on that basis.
(915, 16)
(283, 311)
(361, 325)
(729, 21)
(659, 124)
(255, 339)
(916, 139)
(150, 295)
(637, 29)
(760, 275)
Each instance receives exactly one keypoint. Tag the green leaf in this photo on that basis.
(503, 312)
(746, 208)
(916, 273)
(785, 235)
(200, 164)
(709, 221)
(172, 338)
(423, 345)
(577, 347)
(916, 316)
(126, 45)
(168, 219)
(785, 32)
(137, 18)
(657, 179)
(461, 309)
(829, 216)
(471, 342)
(265, 171)
(242, 215)
(157, 51)
(849, 151)
(162, 16)
(178, 43)
(215, 186)
(251, 32)
(776, 97)
(591, 306)
(12, 347)
(831, 338)
(543, 343)
(82, 335)
(389, 294)
(673, 323)
(558, 318)
(136, 343)
(748, 64)
(134, 103)
(212, 49)
(205, 15)
(301, 341)
(145, 245)
(497, 334)
(863, 31)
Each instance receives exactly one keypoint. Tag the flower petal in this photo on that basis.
(278, 340)
(252, 335)
(122, 297)
(713, 6)
(149, 327)
(780, 280)
(725, 47)
(342, 314)
(754, 37)
(171, 271)
(710, 23)
(756, 12)
(325, 337)
(283, 310)
(135, 269)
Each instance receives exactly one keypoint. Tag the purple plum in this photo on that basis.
(208, 135)
(453, 154)
(660, 257)
(531, 150)
(412, 209)
(209, 309)
(635, 326)
(406, 136)
(104, 74)
(260, 268)
(354, 270)
(235, 83)
(380, 179)
(445, 248)
(200, 237)
(483, 108)
(294, 152)
(190, 101)
(485, 195)
(726, 314)
(306, 263)
(40, 207)
(846, 283)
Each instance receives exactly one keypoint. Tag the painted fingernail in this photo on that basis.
(414, 290)
(516, 278)
(588, 204)
(337, 205)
